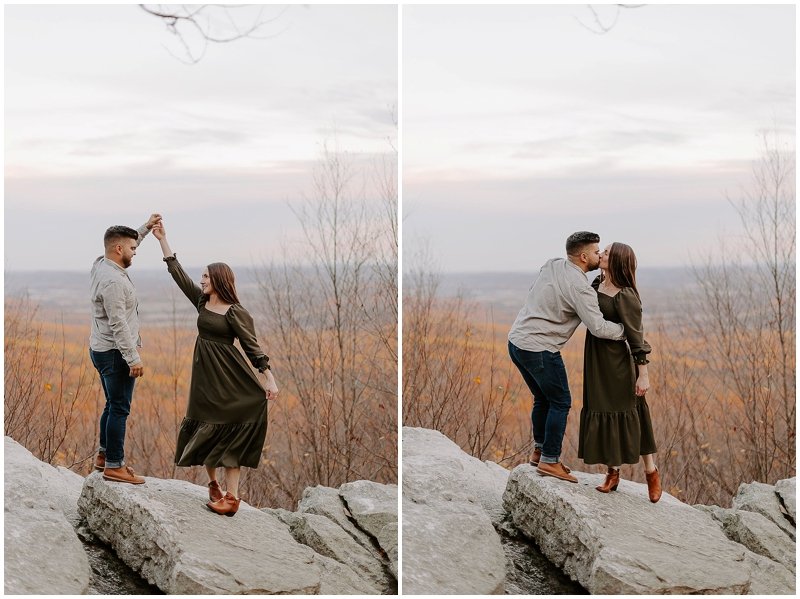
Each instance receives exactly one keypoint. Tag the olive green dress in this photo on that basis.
(615, 424)
(226, 417)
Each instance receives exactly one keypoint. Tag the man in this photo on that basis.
(113, 344)
(559, 300)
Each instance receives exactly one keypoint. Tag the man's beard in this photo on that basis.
(126, 262)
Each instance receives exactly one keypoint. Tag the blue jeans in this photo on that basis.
(118, 388)
(546, 377)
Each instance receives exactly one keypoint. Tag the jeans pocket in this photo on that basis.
(535, 362)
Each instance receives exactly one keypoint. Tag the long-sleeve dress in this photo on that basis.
(615, 425)
(226, 417)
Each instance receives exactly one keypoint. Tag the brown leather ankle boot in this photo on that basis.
(653, 485)
(611, 482)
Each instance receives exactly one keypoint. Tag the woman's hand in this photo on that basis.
(159, 232)
(642, 385)
(272, 386)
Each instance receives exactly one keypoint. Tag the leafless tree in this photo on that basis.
(746, 314)
(456, 378)
(196, 25)
(601, 25)
(332, 327)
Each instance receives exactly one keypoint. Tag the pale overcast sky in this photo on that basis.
(521, 126)
(103, 126)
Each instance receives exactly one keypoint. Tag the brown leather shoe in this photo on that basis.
(653, 485)
(100, 462)
(556, 470)
(123, 475)
(612, 481)
(227, 506)
(535, 457)
(214, 491)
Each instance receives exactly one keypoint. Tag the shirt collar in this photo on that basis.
(115, 265)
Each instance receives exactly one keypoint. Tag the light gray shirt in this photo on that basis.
(115, 309)
(559, 300)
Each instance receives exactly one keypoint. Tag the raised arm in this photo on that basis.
(190, 289)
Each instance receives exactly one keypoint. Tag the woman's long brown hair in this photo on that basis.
(622, 266)
(223, 282)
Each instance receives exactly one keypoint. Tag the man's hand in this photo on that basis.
(137, 371)
(153, 221)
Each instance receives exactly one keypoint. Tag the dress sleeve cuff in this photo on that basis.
(263, 364)
(170, 258)
(641, 359)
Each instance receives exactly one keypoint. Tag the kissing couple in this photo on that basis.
(615, 424)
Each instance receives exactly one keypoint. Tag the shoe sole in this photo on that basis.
(229, 514)
(569, 480)
(123, 480)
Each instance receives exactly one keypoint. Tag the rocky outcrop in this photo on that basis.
(379, 513)
(449, 502)
(40, 509)
(355, 525)
(434, 466)
(374, 508)
(620, 543)
(786, 490)
(163, 530)
(759, 534)
(762, 499)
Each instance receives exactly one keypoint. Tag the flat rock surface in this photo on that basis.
(620, 543)
(164, 531)
(450, 545)
(39, 505)
(763, 499)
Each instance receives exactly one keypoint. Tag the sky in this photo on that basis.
(520, 126)
(105, 123)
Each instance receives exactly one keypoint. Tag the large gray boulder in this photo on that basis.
(374, 508)
(759, 534)
(434, 466)
(786, 490)
(40, 505)
(326, 501)
(762, 499)
(450, 500)
(620, 543)
(330, 540)
(450, 550)
(164, 531)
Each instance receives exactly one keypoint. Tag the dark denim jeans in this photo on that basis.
(118, 388)
(546, 377)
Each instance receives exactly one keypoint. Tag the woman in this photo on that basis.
(226, 418)
(615, 424)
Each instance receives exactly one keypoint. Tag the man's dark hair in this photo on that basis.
(118, 232)
(577, 241)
